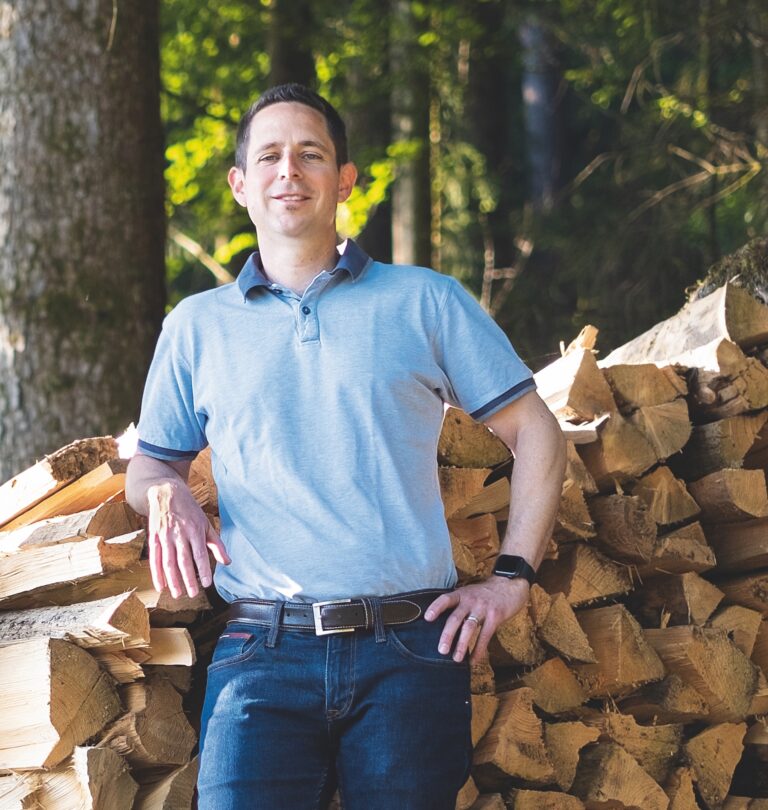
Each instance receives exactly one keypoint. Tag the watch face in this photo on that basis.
(512, 566)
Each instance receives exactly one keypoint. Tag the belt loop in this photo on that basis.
(274, 626)
(378, 619)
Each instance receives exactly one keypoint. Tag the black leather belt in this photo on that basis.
(337, 615)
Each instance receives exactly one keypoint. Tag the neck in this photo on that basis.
(295, 264)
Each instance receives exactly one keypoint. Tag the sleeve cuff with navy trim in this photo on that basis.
(166, 453)
(511, 394)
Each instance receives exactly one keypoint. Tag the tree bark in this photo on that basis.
(410, 123)
(290, 51)
(81, 220)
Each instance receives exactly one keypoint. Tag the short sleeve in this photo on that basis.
(483, 371)
(170, 428)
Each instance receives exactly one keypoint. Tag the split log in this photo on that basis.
(666, 497)
(53, 696)
(744, 803)
(514, 745)
(713, 755)
(154, 732)
(491, 801)
(493, 497)
(758, 706)
(573, 521)
(121, 666)
(28, 488)
(625, 660)
(750, 590)
(626, 530)
(87, 492)
(35, 570)
(515, 643)
(467, 795)
(542, 800)
(477, 537)
(113, 623)
(728, 313)
(654, 747)
(482, 678)
(179, 677)
(576, 470)
(682, 550)
(620, 453)
(107, 520)
(584, 575)
(92, 778)
(760, 650)
(171, 646)
(557, 626)
(739, 546)
(608, 776)
(574, 388)
(201, 483)
(724, 381)
(642, 384)
(707, 660)
(172, 792)
(483, 711)
(136, 577)
(564, 742)
(679, 789)
(741, 624)
(555, 688)
(717, 446)
(466, 443)
(458, 486)
(18, 791)
(730, 495)
(668, 701)
(674, 599)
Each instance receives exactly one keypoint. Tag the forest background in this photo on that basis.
(571, 161)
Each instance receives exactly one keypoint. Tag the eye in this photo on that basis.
(268, 158)
(312, 156)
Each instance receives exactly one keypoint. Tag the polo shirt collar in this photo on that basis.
(353, 260)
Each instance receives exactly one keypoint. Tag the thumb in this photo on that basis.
(214, 543)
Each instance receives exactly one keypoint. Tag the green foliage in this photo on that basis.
(661, 168)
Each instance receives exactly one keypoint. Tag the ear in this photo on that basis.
(347, 178)
(236, 180)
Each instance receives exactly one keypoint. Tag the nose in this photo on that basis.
(289, 165)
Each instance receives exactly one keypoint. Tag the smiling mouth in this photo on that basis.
(291, 197)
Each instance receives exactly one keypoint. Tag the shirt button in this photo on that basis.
(306, 310)
(276, 291)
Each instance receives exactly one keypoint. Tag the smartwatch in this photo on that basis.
(513, 567)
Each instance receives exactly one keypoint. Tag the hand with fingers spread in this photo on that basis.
(179, 536)
(477, 610)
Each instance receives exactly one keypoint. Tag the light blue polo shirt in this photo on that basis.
(323, 413)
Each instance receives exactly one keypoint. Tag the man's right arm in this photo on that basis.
(179, 533)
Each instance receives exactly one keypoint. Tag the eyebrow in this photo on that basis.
(274, 144)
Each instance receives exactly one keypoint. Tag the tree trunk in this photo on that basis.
(411, 189)
(81, 220)
(290, 52)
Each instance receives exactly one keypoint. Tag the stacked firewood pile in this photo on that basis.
(636, 678)
(93, 660)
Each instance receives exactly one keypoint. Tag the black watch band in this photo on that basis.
(513, 567)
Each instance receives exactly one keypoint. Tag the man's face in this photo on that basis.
(291, 185)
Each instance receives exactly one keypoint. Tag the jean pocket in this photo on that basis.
(236, 644)
(417, 642)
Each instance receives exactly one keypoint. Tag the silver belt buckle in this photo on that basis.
(316, 607)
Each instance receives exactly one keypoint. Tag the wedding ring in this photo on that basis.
(474, 619)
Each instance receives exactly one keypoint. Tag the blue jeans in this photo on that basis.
(382, 715)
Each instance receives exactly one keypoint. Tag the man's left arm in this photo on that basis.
(532, 433)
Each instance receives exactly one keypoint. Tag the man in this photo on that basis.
(318, 379)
